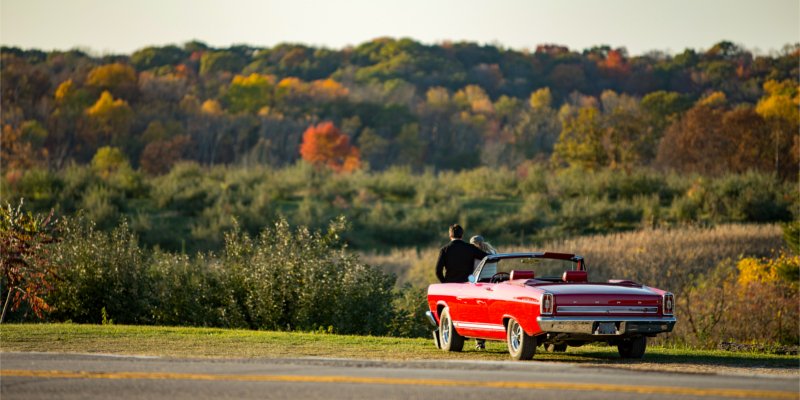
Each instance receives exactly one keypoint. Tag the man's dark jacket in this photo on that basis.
(456, 261)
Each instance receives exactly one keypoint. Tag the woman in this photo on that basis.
(489, 269)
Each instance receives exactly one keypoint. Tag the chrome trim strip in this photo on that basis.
(625, 325)
(430, 318)
(657, 320)
(607, 309)
(479, 326)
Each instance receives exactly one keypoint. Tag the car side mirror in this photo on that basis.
(472, 279)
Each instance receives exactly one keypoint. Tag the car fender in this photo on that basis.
(530, 326)
(441, 304)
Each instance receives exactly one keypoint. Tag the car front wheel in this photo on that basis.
(633, 347)
(448, 337)
(521, 346)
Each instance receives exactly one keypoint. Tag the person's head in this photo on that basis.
(456, 231)
(478, 242)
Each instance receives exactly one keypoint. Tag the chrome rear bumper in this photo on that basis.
(591, 325)
(431, 319)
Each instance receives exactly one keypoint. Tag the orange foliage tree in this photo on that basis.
(325, 144)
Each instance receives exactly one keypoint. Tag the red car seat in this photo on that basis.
(521, 275)
(575, 276)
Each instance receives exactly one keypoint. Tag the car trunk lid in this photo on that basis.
(599, 299)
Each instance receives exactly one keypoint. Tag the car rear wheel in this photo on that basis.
(557, 348)
(633, 347)
(521, 346)
(448, 337)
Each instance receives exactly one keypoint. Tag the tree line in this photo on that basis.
(388, 102)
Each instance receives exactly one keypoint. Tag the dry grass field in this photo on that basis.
(664, 258)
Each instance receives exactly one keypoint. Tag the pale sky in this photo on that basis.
(113, 26)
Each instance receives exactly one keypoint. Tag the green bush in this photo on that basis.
(281, 279)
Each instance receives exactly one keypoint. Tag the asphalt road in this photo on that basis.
(75, 376)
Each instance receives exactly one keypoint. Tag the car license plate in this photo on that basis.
(606, 328)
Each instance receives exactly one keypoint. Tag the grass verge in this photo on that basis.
(210, 342)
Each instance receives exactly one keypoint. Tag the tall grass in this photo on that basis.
(693, 262)
(665, 258)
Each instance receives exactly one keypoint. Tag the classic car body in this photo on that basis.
(551, 304)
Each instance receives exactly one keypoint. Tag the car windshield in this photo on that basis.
(541, 267)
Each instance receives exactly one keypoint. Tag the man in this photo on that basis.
(456, 260)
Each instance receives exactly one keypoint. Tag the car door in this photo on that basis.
(473, 312)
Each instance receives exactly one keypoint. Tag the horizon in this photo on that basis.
(93, 25)
(92, 52)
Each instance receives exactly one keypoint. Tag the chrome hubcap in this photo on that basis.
(516, 336)
(446, 331)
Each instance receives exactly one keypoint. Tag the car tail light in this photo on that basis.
(546, 306)
(669, 304)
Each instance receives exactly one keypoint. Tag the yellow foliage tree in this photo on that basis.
(117, 78)
(211, 107)
(716, 99)
(581, 141)
(250, 93)
(437, 96)
(108, 160)
(541, 98)
(110, 120)
(780, 109)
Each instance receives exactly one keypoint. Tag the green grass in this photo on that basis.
(208, 342)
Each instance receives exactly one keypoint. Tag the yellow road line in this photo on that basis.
(401, 381)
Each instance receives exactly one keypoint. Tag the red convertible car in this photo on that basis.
(545, 299)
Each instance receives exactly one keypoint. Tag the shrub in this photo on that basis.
(107, 270)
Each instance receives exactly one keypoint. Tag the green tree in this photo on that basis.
(664, 107)
(221, 61)
(153, 57)
(108, 160)
(249, 94)
(581, 141)
(412, 148)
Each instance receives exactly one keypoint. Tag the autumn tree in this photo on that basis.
(110, 121)
(695, 143)
(538, 128)
(26, 247)
(108, 160)
(780, 108)
(18, 150)
(712, 141)
(663, 108)
(249, 94)
(118, 79)
(159, 156)
(325, 145)
(630, 141)
(66, 119)
(615, 65)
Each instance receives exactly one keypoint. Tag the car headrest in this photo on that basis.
(575, 276)
(521, 275)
